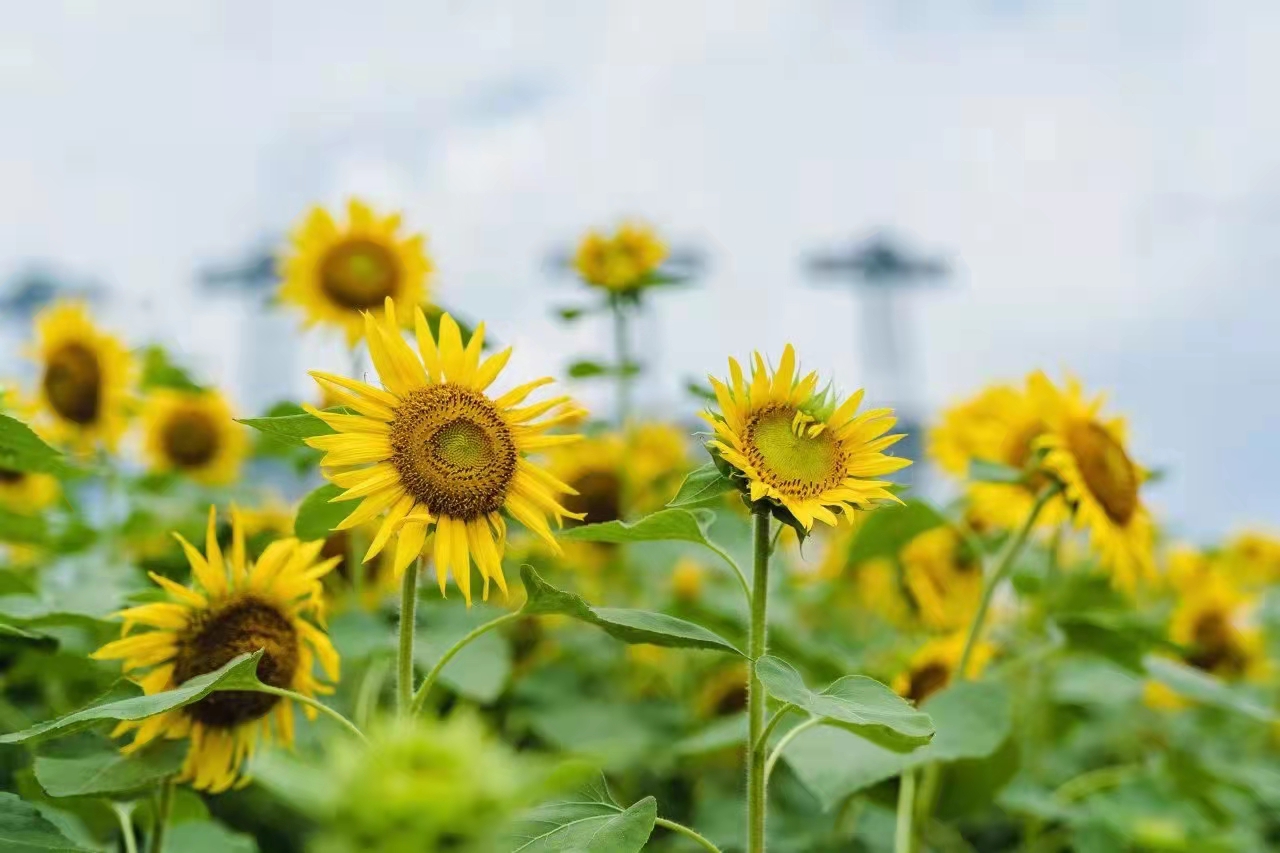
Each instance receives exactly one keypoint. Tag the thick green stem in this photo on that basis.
(163, 811)
(408, 615)
(622, 360)
(757, 642)
(420, 698)
(687, 833)
(904, 836)
(782, 744)
(763, 743)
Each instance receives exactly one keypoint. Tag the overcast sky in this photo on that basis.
(1103, 176)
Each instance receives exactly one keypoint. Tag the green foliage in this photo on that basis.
(1200, 687)
(23, 450)
(158, 371)
(24, 830)
(105, 770)
(887, 530)
(290, 428)
(591, 823)
(319, 514)
(702, 486)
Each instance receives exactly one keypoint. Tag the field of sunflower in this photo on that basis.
(496, 621)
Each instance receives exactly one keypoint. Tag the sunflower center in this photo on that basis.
(1106, 469)
(453, 450)
(782, 446)
(190, 439)
(9, 477)
(1216, 649)
(927, 680)
(242, 625)
(359, 274)
(599, 496)
(73, 383)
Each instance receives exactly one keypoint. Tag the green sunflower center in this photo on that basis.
(789, 456)
(359, 274)
(454, 451)
(1216, 647)
(216, 636)
(73, 383)
(599, 496)
(1107, 471)
(927, 680)
(190, 439)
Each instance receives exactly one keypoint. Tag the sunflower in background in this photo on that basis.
(688, 577)
(1252, 558)
(620, 262)
(435, 453)
(944, 578)
(934, 665)
(1101, 483)
(234, 606)
(85, 378)
(24, 492)
(193, 433)
(335, 270)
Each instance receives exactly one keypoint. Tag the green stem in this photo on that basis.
(757, 641)
(1094, 781)
(687, 832)
(763, 743)
(124, 814)
(370, 686)
(622, 359)
(904, 835)
(408, 615)
(314, 703)
(420, 698)
(782, 744)
(733, 564)
(162, 816)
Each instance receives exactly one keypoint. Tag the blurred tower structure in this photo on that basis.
(265, 356)
(882, 269)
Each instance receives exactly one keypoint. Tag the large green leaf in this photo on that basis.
(859, 704)
(702, 485)
(205, 836)
(290, 428)
(593, 823)
(972, 719)
(884, 532)
(23, 450)
(238, 674)
(317, 516)
(25, 830)
(106, 771)
(481, 670)
(1200, 687)
(629, 626)
(667, 525)
(23, 529)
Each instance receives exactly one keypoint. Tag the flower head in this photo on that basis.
(934, 666)
(193, 433)
(622, 261)
(944, 578)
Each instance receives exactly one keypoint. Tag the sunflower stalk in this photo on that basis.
(622, 359)
(163, 809)
(408, 615)
(420, 698)
(691, 834)
(757, 642)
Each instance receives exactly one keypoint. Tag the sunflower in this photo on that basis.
(433, 451)
(193, 433)
(1253, 557)
(723, 692)
(85, 377)
(1100, 481)
(27, 492)
(798, 449)
(336, 271)
(1000, 424)
(234, 606)
(622, 261)
(687, 579)
(933, 666)
(943, 577)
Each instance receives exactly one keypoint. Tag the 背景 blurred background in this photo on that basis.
(1101, 180)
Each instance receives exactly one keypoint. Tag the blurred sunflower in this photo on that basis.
(85, 377)
(378, 579)
(193, 433)
(27, 492)
(1253, 557)
(335, 271)
(943, 577)
(620, 262)
(687, 579)
(433, 451)
(799, 450)
(614, 476)
(1000, 425)
(234, 606)
(723, 692)
(934, 665)
(1100, 481)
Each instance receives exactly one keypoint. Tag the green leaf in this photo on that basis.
(971, 784)
(481, 670)
(23, 450)
(629, 626)
(204, 836)
(23, 529)
(107, 771)
(291, 428)
(666, 525)
(889, 528)
(25, 830)
(972, 719)
(237, 674)
(587, 369)
(1198, 686)
(594, 823)
(701, 486)
(159, 372)
(700, 391)
(317, 517)
(856, 703)
(986, 471)
(569, 313)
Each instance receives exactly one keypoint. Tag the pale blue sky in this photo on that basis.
(1106, 180)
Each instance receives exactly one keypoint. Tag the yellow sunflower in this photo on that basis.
(335, 271)
(943, 577)
(1100, 481)
(433, 451)
(234, 606)
(609, 470)
(687, 579)
(933, 666)
(798, 449)
(193, 433)
(1253, 557)
(85, 377)
(621, 261)
(1000, 424)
